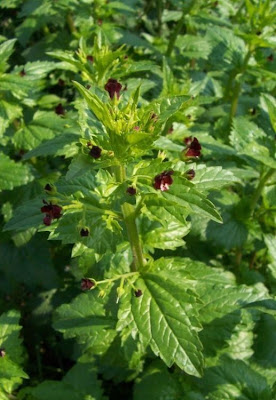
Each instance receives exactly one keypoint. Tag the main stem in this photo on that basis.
(237, 88)
(175, 33)
(259, 189)
(131, 227)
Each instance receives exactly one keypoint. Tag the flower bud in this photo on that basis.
(95, 152)
(113, 87)
(90, 58)
(59, 110)
(120, 291)
(87, 284)
(84, 232)
(190, 174)
(131, 191)
(138, 293)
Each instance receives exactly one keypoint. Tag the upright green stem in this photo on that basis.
(259, 189)
(70, 23)
(174, 35)
(159, 7)
(237, 88)
(131, 227)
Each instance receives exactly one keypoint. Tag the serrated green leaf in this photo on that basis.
(161, 319)
(83, 317)
(157, 383)
(6, 49)
(8, 113)
(268, 103)
(234, 380)
(44, 126)
(183, 194)
(28, 215)
(13, 174)
(212, 178)
(64, 144)
(11, 373)
(248, 139)
(193, 46)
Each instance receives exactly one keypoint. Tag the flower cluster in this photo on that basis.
(163, 180)
(87, 284)
(53, 211)
(113, 87)
(95, 152)
(193, 147)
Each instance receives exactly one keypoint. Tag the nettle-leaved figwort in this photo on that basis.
(129, 190)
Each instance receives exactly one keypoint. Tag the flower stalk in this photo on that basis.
(129, 217)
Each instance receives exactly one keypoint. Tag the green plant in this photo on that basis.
(141, 142)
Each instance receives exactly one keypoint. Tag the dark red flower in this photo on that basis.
(48, 187)
(113, 86)
(87, 284)
(2, 352)
(131, 190)
(84, 232)
(170, 129)
(59, 110)
(53, 211)
(136, 128)
(193, 147)
(270, 58)
(163, 181)
(95, 152)
(61, 82)
(22, 73)
(47, 220)
(138, 293)
(190, 174)
(90, 58)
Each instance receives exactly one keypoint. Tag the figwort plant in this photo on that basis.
(150, 167)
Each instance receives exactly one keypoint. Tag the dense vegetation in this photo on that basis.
(139, 138)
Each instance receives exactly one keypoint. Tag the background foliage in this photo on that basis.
(204, 326)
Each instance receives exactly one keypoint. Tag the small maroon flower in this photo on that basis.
(90, 58)
(59, 110)
(170, 130)
(48, 187)
(131, 191)
(163, 181)
(95, 152)
(270, 58)
(87, 284)
(193, 147)
(61, 82)
(47, 220)
(138, 293)
(22, 73)
(56, 211)
(190, 174)
(2, 352)
(113, 86)
(136, 128)
(84, 232)
(53, 211)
